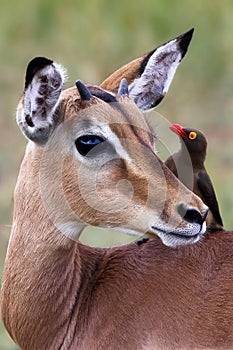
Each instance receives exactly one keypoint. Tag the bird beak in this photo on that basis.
(177, 129)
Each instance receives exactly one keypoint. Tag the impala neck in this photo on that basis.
(44, 267)
(32, 220)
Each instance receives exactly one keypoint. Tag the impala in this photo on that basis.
(90, 160)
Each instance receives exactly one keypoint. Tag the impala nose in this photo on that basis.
(192, 215)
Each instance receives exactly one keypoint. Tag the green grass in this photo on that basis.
(92, 39)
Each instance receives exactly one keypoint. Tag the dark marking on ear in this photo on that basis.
(34, 66)
(158, 100)
(144, 62)
(28, 120)
(184, 40)
(101, 94)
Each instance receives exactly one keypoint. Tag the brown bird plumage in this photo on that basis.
(188, 161)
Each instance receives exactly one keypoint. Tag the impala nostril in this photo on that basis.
(191, 215)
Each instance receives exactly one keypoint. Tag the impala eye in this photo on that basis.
(90, 145)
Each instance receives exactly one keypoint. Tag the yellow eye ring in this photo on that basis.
(192, 135)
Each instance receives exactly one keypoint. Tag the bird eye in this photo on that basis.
(90, 145)
(192, 135)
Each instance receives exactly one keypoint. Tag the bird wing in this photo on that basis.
(207, 190)
(170, 163)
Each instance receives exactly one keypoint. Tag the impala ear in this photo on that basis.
(150, 76)
(36, 113)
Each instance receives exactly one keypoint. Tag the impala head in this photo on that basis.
(92, 152)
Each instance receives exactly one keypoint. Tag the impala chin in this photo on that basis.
(180, 236)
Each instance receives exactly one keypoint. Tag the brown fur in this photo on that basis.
(147, 297)
(130, 71)
(60, 294)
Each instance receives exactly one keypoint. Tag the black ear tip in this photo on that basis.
(84, 93)
(40, 62)
(34, 66)
(184, 41)
(190, 31)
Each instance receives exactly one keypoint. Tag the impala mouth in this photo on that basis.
(180, 236)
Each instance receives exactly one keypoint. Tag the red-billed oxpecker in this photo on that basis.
(188, 161)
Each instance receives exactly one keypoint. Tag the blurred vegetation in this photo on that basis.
(92, 39)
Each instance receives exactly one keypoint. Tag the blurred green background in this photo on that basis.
(92, 39)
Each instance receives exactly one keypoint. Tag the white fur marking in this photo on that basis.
(41, 99)
(157, 76)
(105, 131)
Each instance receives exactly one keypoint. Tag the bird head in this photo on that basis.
(193, 139)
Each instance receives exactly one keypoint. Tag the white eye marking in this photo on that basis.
(104, 131)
